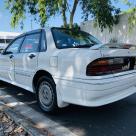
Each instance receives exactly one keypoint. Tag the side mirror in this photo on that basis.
(6, 52)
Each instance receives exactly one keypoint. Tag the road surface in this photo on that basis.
(117, 119)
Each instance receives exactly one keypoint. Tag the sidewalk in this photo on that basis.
(9, 127)
(35, 123)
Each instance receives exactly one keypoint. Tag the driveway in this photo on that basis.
(117, 119)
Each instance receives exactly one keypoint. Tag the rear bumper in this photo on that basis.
(96, 92)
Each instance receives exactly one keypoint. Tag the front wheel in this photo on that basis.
(46, 94)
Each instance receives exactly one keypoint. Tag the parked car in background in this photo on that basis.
(6, 38)
(63, 66)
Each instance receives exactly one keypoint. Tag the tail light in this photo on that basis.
(105, 66)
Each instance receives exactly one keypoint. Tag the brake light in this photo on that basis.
(110, 65)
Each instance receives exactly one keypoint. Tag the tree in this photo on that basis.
(102, 11)
(132, 13)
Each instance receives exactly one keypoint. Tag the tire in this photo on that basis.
(46, 95)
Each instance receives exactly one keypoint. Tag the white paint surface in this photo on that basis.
(120, 31)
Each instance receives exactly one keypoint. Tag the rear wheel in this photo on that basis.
(46, 94)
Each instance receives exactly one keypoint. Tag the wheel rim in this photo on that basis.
(45, 94)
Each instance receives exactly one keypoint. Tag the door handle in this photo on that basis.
(32, 56)
(11, 56)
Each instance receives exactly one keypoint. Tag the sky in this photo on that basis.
(54, 21)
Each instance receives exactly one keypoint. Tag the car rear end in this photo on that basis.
(107, 79)
(117, 72)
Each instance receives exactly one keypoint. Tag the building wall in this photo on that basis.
(6, 37)
(120, 31)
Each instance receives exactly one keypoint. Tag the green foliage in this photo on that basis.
(132, 19)
(43, 9)
(102, 11)
(132, 13)
(75, 26)
(17, 10)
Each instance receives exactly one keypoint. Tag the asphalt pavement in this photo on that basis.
(116, 119)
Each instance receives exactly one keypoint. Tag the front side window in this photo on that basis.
(31, 43)
(14, 47)
(66, 38)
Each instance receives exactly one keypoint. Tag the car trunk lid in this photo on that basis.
(115, 49)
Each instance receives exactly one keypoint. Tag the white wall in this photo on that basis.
(120, 31)
(7, 35)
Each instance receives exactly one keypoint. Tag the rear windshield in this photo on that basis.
(67, 38)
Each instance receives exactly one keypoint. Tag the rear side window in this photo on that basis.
(31, 43)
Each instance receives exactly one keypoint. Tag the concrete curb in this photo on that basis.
(21, 121)
(41, 122)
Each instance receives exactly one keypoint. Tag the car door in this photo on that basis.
(7, 62)
(26, 60)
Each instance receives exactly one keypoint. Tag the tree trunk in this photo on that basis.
(64, 8)
(73, 13)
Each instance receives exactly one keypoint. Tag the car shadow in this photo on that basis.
(116, 119)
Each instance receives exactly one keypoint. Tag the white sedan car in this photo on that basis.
(63, 66)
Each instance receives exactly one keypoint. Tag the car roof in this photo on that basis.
(33, 31)
(30, 32)
(39, 30)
